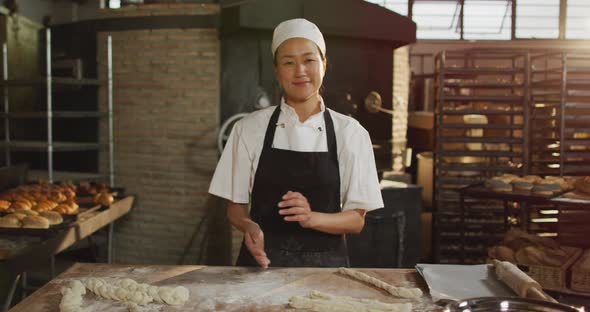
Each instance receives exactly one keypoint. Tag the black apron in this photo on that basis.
(316, 175)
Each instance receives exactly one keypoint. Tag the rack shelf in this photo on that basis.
(42, 146)
(55, 114)
(52, 144)
(54, 80)
(66, 176)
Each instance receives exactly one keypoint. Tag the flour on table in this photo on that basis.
(320, 302)
(403, 292)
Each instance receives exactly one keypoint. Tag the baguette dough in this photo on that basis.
(319, 302)
(403, 292)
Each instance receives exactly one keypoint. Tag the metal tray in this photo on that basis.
(67, 220)
(507, 304)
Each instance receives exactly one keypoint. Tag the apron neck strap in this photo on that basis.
(330, 133)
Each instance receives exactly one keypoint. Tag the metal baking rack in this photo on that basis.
(560, 113)
(49, 115)
(481, 100)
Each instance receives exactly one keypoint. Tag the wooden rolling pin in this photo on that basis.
(520, 282)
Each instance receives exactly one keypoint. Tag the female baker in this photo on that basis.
(307, 172)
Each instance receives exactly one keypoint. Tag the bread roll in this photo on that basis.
(52, 216)
(530, 255)
(106, 199)
(17, 215)
(582, 185)
(69, 193)
(4, 204)
(20, 205)
(10, 222)
(546, 189)
(36, 222)
(63, 209)
(520, 184)
(498, 185)
(58, 197)
(502, 253)
(27, 212)
(532, 178)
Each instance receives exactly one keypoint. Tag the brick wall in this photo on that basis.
(166, 116)
(401, 93)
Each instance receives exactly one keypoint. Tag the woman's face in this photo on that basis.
(299, 69)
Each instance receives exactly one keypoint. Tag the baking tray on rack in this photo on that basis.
(67, 221)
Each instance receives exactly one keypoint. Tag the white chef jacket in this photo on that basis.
(236, 169)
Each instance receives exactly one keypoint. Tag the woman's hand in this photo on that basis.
(254, 240)
(296, 209)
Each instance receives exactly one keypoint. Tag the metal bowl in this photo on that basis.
(507, 304)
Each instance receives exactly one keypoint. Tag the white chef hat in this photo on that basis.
(297, 28)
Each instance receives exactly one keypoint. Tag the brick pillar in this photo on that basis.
(166, 119)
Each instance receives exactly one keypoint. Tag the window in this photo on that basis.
(398, 6)
(577, 19)
(537, 19)
(490, 19)
(437, 19)
(114, 4)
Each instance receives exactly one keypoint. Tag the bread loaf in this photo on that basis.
(4, 204)
(582, 185)
(52, 216)
(502, 253)
(27, 212)
(10, 222)
(35, 222)
(17, 215)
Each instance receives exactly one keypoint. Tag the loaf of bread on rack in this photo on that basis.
(582, 185)
(528, 249)
(27, 212)
(53, 217)
(10, 222)
(35, 222)
(4, 204)
(104, 199)
(499, 184)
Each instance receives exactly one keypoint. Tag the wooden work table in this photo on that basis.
(228, 288)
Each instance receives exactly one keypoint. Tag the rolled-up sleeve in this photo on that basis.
(231, 179)
(359, 180)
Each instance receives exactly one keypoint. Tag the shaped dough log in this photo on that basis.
(403, 292)
(319, 302)
(71, 300)
(128, 290)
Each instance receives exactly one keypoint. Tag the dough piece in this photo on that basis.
(71, 300)
(133, 307)
(319, 302)
(139, 297)
(128, 284)
(403, 292)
